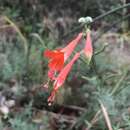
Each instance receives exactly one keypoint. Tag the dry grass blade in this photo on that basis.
(35, 35)
(106, 116)
(18, 31)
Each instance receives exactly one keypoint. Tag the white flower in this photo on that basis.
(4, 110)
(81, 20)
(87, 20)
(10, 103)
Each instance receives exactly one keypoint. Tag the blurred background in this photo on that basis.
(27, 28)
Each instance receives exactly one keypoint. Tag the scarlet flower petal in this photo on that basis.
(57, 62)
(51, 54)
(52, 97)
(88, 50)
(56, 59)
(71, 46)
(59, 81)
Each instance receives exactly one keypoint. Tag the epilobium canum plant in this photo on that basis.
(58, 69)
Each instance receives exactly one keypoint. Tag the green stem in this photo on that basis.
(101, 50)
(94, 67)
(97, 18)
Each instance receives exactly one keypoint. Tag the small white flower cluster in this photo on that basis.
(86, 20)
(5, 105)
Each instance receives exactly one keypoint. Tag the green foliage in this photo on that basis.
(18, 124)
(21, 121)
(106, 81)
(13, 61)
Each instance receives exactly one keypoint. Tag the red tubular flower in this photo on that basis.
(71, 46)
(88, 50)
(60, 79)
(58, 57)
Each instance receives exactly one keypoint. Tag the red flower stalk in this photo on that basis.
(58, 57)
(88, 50)
(60, 79)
